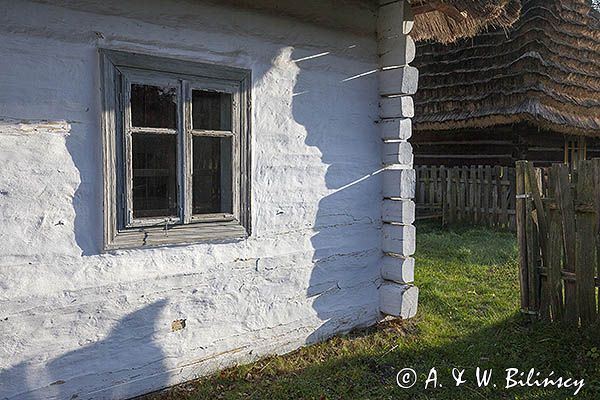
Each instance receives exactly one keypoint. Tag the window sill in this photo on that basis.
(148, 237)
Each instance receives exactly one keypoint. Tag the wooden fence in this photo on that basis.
(558, 230)
(480, 194)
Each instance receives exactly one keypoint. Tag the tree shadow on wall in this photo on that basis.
(126, 362)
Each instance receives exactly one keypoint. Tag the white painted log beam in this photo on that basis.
(398, 269)
(397, 81)
(401, 211)
(398, 300)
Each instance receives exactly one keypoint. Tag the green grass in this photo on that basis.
(468, 317)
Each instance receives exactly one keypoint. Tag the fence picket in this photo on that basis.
(521, 236)
(564, 197)
(555, 253)
(585, 259)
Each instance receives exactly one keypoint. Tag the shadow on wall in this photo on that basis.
(347, 229)
(123, 346)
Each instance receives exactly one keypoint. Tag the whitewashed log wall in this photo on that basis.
(397, 82)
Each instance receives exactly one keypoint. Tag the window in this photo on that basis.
(176, 151)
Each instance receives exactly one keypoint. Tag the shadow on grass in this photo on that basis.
(365, 365)
(468, 318)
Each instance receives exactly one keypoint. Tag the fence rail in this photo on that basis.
(481, 194)
(558, 231)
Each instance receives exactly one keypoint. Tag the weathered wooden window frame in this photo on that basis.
(118, 70)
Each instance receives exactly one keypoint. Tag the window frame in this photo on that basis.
(118, 70)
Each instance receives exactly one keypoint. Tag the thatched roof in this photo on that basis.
(545, 70)
(455, 19)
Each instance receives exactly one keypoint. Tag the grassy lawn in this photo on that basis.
(468, 317)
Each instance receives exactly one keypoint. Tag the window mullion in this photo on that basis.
(127, 150)
(186, 159)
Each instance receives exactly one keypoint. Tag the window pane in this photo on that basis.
(211, 110)
(212, 189)
(153, 106)
(154, 175)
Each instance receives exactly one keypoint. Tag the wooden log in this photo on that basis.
(395, 128)
(397, 153)
(396, 107)
(585, 260)
(398, 269)
(399, 183)
(398, 239)
(398, 81)
(564, 197)
(398, 300)
(394, 18)
(388, 19)
(396, 51)
(400, 211)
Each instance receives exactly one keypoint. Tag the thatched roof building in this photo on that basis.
(448, 20)
(542, 74)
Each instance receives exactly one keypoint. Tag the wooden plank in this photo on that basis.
(462, 198)
(432, 184)
(423, 187)
(487, 192)
(504, 200)
(564, 197)
(585, 247)
(444, 194)
(521, 233)
(453, 190)
(496, 196)
(475, 186)
(596, 167)
(532, 243)
(555, 256)
(511, 197)
(532, 183)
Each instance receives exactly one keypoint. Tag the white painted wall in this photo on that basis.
(74, 321)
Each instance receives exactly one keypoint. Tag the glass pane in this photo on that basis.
(154, 175)
(211, 110)
(212, 189)
(153, 106)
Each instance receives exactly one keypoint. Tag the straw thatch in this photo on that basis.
(474, 16)
(546, 70)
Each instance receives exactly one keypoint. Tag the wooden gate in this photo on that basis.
(558, 231)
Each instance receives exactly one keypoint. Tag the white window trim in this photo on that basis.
(120, 231)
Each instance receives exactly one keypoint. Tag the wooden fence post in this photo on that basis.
(521, 234)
